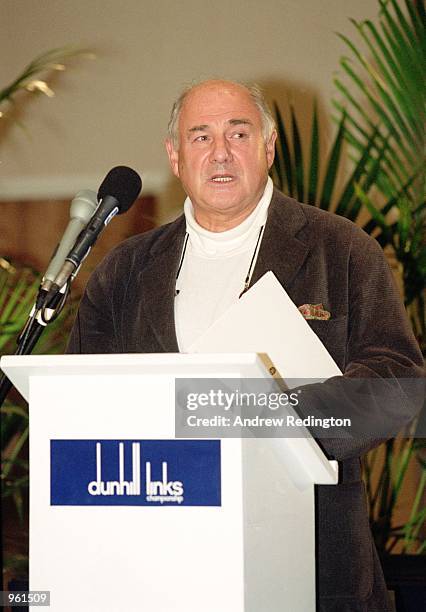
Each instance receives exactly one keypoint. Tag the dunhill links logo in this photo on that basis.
(152, 472)
(163, 490)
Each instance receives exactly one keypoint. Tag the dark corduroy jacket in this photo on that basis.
(319, 258)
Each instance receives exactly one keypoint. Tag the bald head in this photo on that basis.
(253, 92)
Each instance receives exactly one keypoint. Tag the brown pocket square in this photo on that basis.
(314, 311)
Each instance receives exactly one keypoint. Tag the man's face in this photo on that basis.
(222, 160)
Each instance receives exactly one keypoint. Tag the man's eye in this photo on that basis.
(201, 138)
(239, 135)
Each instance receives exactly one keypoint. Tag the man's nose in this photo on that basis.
(221, 151)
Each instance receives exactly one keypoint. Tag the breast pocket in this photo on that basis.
(333, 333)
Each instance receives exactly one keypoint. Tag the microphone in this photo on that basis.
(81, 209)
(118, 191)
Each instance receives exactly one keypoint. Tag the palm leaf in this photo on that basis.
(371, 225)
(43, 65)
(381, 111)
(346, 201)
(395, 93)
(400, 35)
(284, 166)
(332, 167)
(301, 165)
(379, 83)
(298, 158)
(389, 69)
(377, 215)
(418, 19)
(392, 164)
(314, 159)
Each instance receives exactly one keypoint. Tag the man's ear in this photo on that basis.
(270, 149)
(173, 157)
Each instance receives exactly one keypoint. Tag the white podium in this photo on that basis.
(123, 516)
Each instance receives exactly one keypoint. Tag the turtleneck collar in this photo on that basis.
(214, 244)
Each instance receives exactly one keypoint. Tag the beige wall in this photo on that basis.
(114, 110)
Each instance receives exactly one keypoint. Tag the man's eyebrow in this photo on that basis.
(198, 128)
(240, 122)
(204, 126)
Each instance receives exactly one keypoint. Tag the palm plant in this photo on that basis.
(385, 135)
(391, 104)
(19, 285)
(391, 89)
(388, 149)
(391, 463)
(298, 172)
(388, 73)
(18, 289)
(35, 76)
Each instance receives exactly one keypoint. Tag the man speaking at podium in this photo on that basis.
(160, 291)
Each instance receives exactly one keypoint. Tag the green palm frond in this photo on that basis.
(383, 83)
(381, 117)
(298, 171)
(393, 462)
(35, 76)
(18, 289)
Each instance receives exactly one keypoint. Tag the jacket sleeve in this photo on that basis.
(382, 388)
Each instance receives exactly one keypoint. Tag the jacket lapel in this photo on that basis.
(158, 281)
(281, 251)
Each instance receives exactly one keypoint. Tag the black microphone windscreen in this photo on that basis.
(124, 184)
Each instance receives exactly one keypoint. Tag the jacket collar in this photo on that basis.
(281, 251)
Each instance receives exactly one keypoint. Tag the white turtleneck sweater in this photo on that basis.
(214, 268)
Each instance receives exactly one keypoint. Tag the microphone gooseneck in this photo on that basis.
(118, 191)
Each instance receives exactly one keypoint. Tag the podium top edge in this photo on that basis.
(20, 368)
(155, 359)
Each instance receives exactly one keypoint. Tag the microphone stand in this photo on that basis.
(41, 315)
(33, 329)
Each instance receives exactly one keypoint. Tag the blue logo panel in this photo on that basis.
(135, 473)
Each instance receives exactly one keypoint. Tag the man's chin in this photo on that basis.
(221, 213)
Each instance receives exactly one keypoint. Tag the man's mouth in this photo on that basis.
(222, 178)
